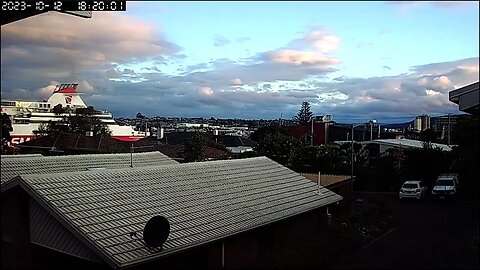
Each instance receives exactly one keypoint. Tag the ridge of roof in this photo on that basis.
(12, 167)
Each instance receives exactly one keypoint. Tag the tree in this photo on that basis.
(58, 109)
(6, 129)
(84, 120)
(304, 114)
(193, 148)
(278, 147)
(262, 132)
(428, 135)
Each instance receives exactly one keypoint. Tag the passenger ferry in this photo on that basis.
(28, 116)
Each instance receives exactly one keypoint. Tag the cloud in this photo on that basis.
(294, 57)
(438, 4)
(242, 39)
(220, 41)
(347, 99)
(206, 91)
(318, 39)
(364, 44)
(423, 91)
(60, 47)
(261, 86)
(236, 81)
(383, 32)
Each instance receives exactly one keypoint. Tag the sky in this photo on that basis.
(357, 61)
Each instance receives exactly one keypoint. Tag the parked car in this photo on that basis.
(447, 186)
(413, 189)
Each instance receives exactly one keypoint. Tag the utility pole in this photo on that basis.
(352, 154)
(351, 173)
(448, 130)
(311, 137)
(371, 132)
(131, 156)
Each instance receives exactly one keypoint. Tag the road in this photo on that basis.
(430, 234)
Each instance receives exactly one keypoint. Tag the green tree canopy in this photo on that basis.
(304, 114)
(193, 148)
(82, 121)
(278, 147)
(6, 129)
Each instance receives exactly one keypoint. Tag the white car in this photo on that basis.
(446, 186)
(413, 189)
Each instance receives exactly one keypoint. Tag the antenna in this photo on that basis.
(156, 231)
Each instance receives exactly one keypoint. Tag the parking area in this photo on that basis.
(430, 234)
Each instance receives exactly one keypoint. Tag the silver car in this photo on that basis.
(413, 189)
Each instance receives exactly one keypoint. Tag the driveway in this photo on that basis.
(430, 234)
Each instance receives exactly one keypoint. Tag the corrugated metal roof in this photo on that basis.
(407, 143)
(12, 167)
(21, 156)
(46, 231)
(203, 202)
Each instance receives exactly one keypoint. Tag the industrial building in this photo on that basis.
(385, 144)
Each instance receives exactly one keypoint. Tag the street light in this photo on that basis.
(326, 119)
(353, 126)
(351, 175)
(371, 122)
(311, 133)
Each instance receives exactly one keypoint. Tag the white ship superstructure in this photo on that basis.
(27, 116)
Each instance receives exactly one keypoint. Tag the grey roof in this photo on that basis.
(204, 202)
(21, 156)
(12, 167)
(467, 98)
(407, 143)
(46, 231)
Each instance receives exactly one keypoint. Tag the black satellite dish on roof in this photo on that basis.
(156, 231)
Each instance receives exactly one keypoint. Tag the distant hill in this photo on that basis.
(398, 125)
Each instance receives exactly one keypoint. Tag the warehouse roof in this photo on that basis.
(204, 202)
(407, 143)
(37, 164)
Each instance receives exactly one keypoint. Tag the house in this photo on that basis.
(222, 214)
(467, 98)
(72, 143)
(330, 132)
(340, 184)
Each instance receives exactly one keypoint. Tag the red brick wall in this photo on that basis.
(318, 133)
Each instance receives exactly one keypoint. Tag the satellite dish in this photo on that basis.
(327, 118)
(156, 231)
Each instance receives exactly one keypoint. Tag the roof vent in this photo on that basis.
(96, 168)
(156, 231)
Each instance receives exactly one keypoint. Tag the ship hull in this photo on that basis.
(26, 116)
